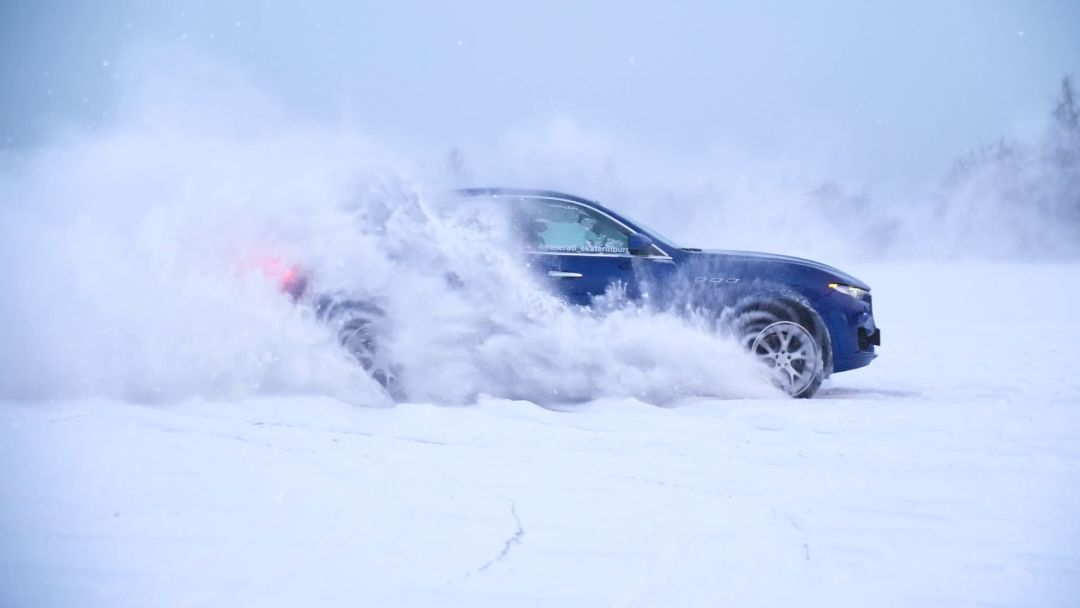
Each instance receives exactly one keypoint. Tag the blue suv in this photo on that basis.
(803, 319)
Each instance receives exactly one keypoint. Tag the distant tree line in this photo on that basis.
(1024, 195)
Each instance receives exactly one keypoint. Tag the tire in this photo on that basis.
(784, 340)
(358, 329)
(356, 338)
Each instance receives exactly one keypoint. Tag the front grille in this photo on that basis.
(866, 340)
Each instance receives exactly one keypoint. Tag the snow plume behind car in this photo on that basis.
(143, 263)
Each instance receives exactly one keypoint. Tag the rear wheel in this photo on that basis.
(357, 337)
(359, 326)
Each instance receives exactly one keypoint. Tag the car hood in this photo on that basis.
(759, 257)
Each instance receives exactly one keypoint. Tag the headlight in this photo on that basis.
(854, 292)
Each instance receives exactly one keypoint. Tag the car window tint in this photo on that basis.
(557, 226)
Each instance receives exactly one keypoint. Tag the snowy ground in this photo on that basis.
(946, 474)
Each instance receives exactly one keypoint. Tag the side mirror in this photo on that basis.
(639, 244)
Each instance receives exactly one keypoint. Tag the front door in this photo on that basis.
(580, 250)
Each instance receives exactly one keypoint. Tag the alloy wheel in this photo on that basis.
(791, 352)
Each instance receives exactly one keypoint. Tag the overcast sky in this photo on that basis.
(889, 90)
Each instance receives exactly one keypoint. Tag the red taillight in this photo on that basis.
(293, 282)
(290, 278)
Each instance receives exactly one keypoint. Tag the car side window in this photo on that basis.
(562, 227)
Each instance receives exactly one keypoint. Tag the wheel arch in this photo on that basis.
(789, 306)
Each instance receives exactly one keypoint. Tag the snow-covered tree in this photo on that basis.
(1019, 198)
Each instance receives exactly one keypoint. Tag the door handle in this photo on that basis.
(558, 274)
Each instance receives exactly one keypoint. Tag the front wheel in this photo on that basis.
(793, 356)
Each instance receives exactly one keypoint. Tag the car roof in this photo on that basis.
(501, 191)
(495, 192)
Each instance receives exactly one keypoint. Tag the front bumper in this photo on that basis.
(853, 330)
